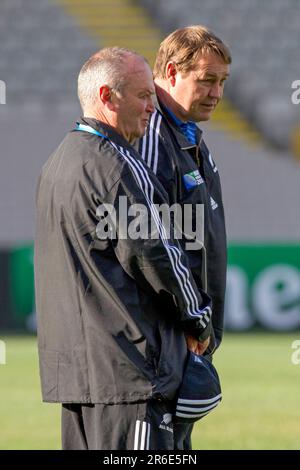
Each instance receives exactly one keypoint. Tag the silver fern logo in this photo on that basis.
(166, 423)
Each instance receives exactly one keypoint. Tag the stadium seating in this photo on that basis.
(264, 37)
(43, 46)
(41, 51)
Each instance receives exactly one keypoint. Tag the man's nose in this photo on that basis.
(216, 91)
(150, 106)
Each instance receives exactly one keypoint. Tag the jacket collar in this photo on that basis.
(183, 143)
(106, 130)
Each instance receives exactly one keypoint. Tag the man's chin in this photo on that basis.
(203, 117)
(142, 130)
(138, 134)
(206, 117)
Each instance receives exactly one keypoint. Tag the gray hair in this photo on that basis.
(106, 67)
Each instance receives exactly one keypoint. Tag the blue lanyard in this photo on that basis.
(91, 130)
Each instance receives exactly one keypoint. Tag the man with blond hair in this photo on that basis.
(112, 310)
(190, 70)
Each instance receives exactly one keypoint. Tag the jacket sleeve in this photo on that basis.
(157, 262)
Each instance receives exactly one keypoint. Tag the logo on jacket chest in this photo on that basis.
(167, 423)
(192, 179)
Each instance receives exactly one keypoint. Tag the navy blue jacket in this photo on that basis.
(190, 176)
(111, 312)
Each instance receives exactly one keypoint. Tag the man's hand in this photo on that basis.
(196, 346)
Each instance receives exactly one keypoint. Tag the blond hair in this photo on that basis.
(184, 46)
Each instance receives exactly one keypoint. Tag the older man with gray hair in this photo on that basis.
(112, 311)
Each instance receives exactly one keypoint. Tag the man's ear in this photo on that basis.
(105, 94)
(171, 72)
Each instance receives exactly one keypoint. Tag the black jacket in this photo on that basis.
(172, 157)
(111, 313)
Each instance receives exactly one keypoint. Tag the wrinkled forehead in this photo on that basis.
(211, 63)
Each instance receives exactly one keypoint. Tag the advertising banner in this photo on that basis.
(263, 287)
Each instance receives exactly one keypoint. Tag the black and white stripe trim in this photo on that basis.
(181, 272)
(150, 140)
(142, 435)
(191, 416)
(199, 402)
(194, 408)
(213, 165)
(174, 253)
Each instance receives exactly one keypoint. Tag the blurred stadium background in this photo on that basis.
(255, 139)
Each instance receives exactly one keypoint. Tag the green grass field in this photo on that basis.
(260, 408)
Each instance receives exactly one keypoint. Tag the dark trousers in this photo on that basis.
(126, 426)
(183, 436)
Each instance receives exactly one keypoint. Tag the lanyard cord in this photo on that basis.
(91, 130)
